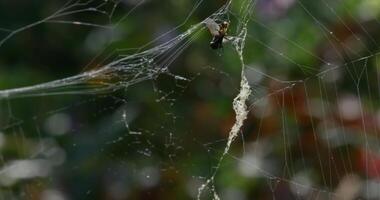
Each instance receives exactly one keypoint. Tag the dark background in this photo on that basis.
(312, 130)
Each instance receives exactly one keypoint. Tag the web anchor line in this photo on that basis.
(239, 103)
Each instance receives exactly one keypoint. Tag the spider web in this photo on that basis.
(309, 127)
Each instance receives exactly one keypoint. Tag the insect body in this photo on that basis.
(218, 32)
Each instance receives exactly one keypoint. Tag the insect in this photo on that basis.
(218, 31)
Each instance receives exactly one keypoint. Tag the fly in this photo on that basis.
(218, 31)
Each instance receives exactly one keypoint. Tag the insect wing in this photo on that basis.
(212, 26)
